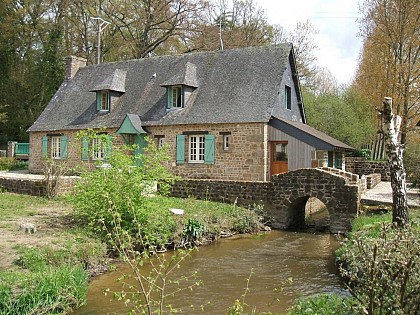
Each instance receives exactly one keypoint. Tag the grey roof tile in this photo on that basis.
(233, 86)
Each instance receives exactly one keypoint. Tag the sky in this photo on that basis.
(336, 21)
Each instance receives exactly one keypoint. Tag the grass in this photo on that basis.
(14, 205)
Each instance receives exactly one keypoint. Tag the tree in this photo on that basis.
(389, 63)
(340, 115)
(395, 151)
(238, 23)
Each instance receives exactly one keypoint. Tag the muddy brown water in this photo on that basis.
(225, 265)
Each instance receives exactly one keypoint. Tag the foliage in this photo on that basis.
(7, 163)
(124, 185)
(412, 162)
(50, 291)
(380, 263)
(366, 153)
(342, 116)
(145, 290)
(82, 250)
(11, 164)
(323, 304)
(390, 56)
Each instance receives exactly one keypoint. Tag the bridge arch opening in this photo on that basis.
(308, 213)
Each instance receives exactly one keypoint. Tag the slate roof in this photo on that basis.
(233, 86)
(309, 135)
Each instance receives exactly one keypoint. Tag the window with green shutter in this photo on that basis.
(103, 100)
(175, 97)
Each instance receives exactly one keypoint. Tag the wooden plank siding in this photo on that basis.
(299, 153)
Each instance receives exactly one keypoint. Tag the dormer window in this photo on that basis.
(175, 97)
(103, 101)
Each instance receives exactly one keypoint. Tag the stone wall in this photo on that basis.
(361, 166)
(372, 180)
(284, 198)
(35, 187)
(246, 158)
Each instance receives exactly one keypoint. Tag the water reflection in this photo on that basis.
(225, 266)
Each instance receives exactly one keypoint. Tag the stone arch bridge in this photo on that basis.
(285, 197)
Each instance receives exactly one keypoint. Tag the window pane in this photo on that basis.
(280, 153)
(55, 147)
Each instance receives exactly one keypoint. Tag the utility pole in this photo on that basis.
(102, 24)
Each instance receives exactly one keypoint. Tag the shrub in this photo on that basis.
(412, 163)
(125, 187)
(382, 269)
(323, 304)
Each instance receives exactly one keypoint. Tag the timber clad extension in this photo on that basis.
(235, 114)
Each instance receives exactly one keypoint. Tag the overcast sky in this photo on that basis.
(336, 21)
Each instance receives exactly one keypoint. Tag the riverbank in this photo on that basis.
(41, 238)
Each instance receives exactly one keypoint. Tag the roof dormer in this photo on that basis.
(109, 90)
(180, 86)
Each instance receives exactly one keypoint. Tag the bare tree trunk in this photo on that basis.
(395, 151)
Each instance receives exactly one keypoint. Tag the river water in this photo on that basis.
(224, 266)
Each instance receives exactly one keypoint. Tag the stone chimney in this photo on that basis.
(73, 64)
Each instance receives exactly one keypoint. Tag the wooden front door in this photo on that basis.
(279, 157)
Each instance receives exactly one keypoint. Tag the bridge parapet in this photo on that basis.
(285, 197)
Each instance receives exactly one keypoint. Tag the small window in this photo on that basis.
(102, 100)
(175, 97)
(55, 148)
(288, 97)
(197, 146)
(226, 142)
(98, 149)
(159, 140)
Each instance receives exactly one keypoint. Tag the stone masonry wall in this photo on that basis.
(285, 197)
(361, 166)
(244, 160)
(35, 187)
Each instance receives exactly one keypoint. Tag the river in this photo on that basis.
(224, 266)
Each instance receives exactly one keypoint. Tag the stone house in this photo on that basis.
(234, 114)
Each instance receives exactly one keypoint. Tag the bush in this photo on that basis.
(412, 163)
(381, 266)
(10, 164)
(51, 291)
(323, 304)
(121, 192)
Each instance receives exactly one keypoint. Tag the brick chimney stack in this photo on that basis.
(73, 64)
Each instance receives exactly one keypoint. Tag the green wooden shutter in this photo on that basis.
(109, 100)
(182, 96)
(108, 148)
(85, 148)
(44, 147)
(98, 100)
(209, 149)
(180, 149)
(168, 97)
(63, 146)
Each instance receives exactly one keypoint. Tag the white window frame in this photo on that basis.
(104, 100)
(226, 142)
(56, 148)
(196, 148)
(176, 93)
(98, 149)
